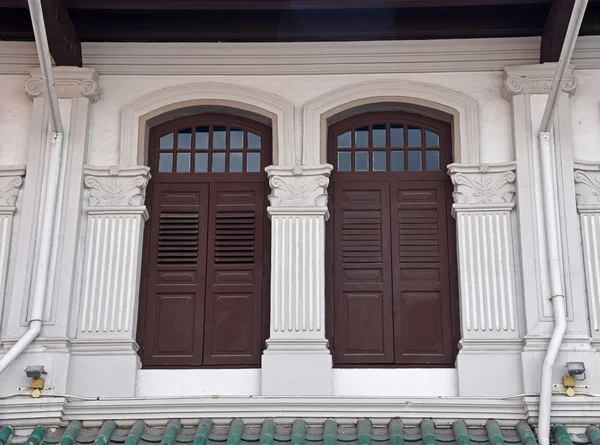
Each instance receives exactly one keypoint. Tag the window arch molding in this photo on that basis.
(137, 116)
(461, 109)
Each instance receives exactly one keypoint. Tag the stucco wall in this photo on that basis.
(15, 120)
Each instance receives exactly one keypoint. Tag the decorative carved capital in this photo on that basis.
(587, 186)
(536, 79)
(111, 187)
(11, 180)
(299, 187)
(483, 185)
(69, 83)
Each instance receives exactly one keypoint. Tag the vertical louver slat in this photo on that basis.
(178, 238)
(234, 237)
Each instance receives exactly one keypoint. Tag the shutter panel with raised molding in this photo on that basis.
(176, 275)
(235, 274)
(363, 303)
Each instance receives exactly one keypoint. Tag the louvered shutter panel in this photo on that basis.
(235, 283)
(363, 303)
(422, 305)
(176, 276)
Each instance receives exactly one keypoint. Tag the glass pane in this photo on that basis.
(236, 162)
(219, 138)
(361, 161)
(344, 140)
(201, 162)
(201, 138)
(236, 138)
(414, 161)
(432, 139)
(414, 138)
(379, 161)
(184, 139)
(252, 162)
(361, 138)
(183, 162)
(379, 136)
(253, 140)
(397, 135)
(432, 159)
(218, 162)
(165, 162)
(344, 161)
(166, 141)
(397, 161)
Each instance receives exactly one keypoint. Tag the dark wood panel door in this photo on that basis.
(235, 274)
(420, 259)
(176, 275)
(363, 298)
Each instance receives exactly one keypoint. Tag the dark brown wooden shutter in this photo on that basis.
(234, 267)
(422, 323)
(363, 303)
(176, 275)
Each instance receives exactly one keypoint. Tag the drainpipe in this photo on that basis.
(552, 225)
(50, 191)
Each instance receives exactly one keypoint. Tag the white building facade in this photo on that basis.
(491, 93)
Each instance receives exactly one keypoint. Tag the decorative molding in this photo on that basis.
(110, 187)
(25, 413)
(463, 109)
(299, 187)
(11, 180)
(69, 82)
(587, 186)
(178, 59)
(484, 184)
(136, 113)
(535, 79)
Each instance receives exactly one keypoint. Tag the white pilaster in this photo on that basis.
(11, 180)
(527, 88)
(483, 203)
(297, 360)
(587, 188)
(77, 89)
(104, 348)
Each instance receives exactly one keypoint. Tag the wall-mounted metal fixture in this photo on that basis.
(575, 368)
(35, 373)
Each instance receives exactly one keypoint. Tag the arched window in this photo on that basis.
(204, 296)
(392, 288)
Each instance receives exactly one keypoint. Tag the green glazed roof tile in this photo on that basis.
(299, 432)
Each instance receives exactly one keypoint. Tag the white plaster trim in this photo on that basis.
(461, 107)
(136, 113)
(11, 180)
(587, 186)
(24, 412)
(70, 83)
(535, 79)
(304, 57)
(484, 186)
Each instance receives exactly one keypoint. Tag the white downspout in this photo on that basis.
(50, 192)
(552, 225)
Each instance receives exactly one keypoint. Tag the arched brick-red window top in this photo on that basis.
(204, 296)
(392, 286)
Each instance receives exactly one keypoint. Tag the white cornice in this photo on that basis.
(24, 412)
(304, 58)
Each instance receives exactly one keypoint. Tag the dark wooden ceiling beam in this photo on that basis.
(63, 41)
(273, 4)
(555, 30)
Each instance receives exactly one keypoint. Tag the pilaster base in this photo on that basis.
(103, 369)
(298, 370)
(489, 368)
